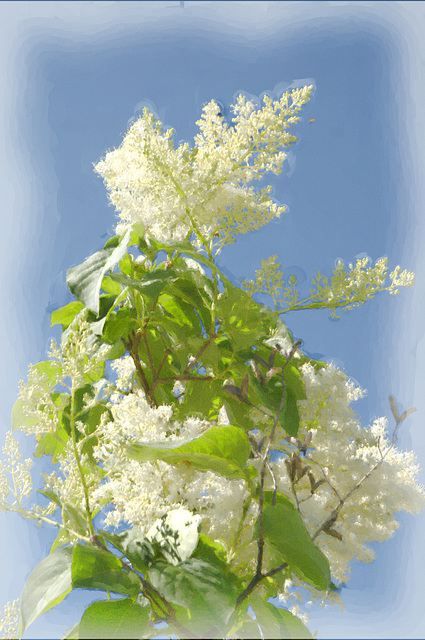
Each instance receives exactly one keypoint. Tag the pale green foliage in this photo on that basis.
(347, 289)
(203, 191)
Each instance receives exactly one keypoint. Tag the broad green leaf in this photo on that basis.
(270, 395)
(280, 499)
(239, 412)
(284, 528)
(186, 288)
(293, 381)
(109, 286)
(276, 622)
(264, 617)
(290, 414)
(288, 623)
(89, 417)
(65, 315)
(202, 398)
(222, 449)
(85, 280)
(94, 568)
(210, 550)
(199, 586)
(119, 324)
(137, 235)
(110, 619)
(151, 285)
(177, 316)
(242, 318)
(116, 351)
(219, 354)
(46, 586)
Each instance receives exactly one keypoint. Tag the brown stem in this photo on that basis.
(259, 575)
(335, 513)
(132, 346)
(199, 354)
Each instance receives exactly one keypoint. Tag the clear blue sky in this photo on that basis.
(77, 72)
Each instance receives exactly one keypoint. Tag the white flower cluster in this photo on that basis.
(341, 453)
(203, 191)
(70, 365)
(15, 476)
(140, 493)
(359, 283)
(9, 622)
(346, 289)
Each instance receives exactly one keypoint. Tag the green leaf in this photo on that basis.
(289, 624)
(52, 496)
(47, 585)
(290, 415)
(276, 622)
(65, 315)
(187, 248)
(151, 285)
(116, 539)
(293, 381)
(239, 412)
(280, 499)
(186, 288)
(199, 586)
(85, 280)
(202, 398)
(270, 395)
(116, 351)
(94, 568)
(63, 537)
(242, 318)
(74, 516)
(210, 550)
(119, 324)
(284, 528)
(177, 316)
(121, 618)
(222, 449)
(109, 286)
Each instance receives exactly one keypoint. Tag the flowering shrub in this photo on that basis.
(201, 463)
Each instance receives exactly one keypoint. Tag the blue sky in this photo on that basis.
(77, 72)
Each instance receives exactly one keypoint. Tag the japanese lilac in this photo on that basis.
(205, 190)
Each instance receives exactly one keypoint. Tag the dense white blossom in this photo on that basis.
(15, 476)
(9, 622)
(341, 453)
(204, 190)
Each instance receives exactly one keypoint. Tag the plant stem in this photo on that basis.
(78, 461)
